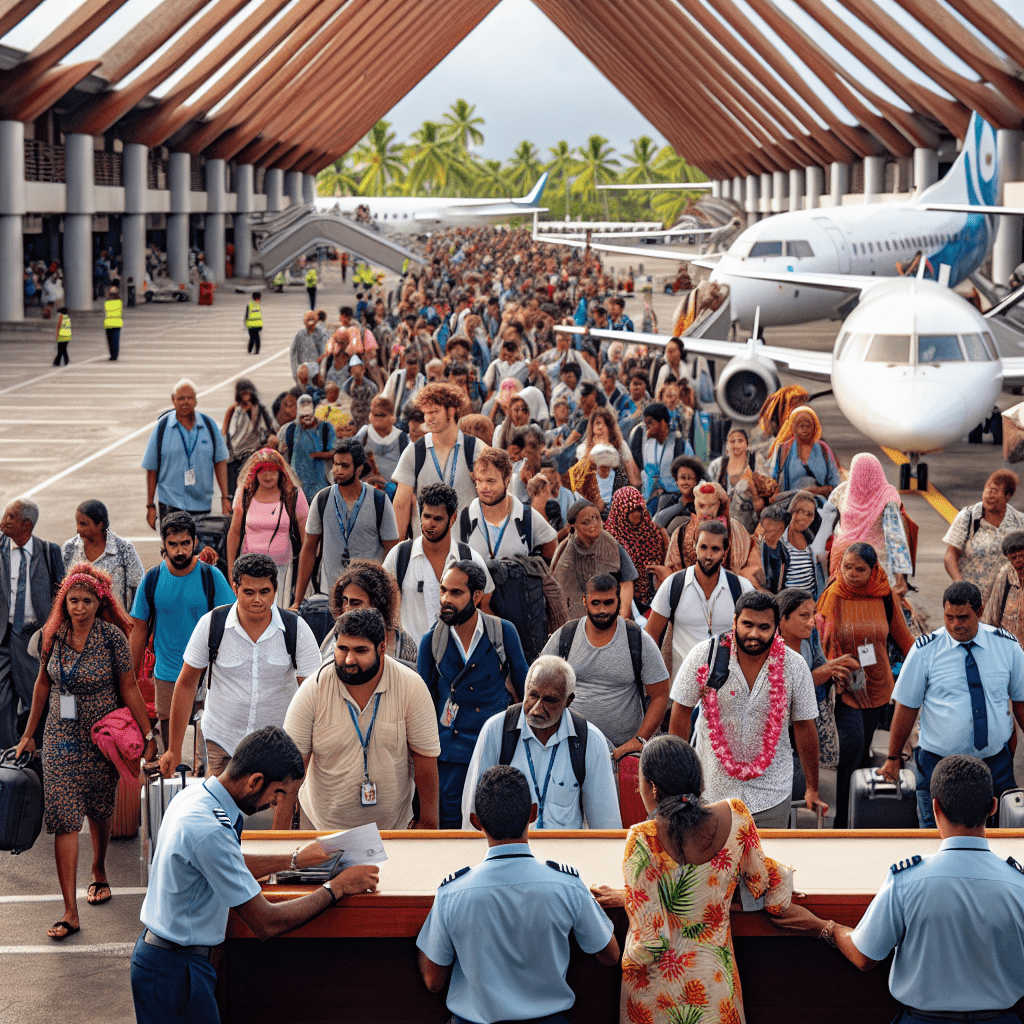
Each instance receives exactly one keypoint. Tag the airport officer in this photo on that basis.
(199, 873)
(63, 336)
(311, 282)
(961, 677)
(112, 322)
(483, 919)
(955, 918)
(254, 321)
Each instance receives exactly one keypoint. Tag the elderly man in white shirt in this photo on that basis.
(259, 659)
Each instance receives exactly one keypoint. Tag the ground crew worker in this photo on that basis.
(199, 873)
(311, 281)
(254, 321)
(112, 322)
(344, 266)
(63, 336)
(279, 281)
(482, 915)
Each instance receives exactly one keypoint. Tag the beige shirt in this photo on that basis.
(320, 723)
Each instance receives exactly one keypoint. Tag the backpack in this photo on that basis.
(519, 597)
(524, 526)
(511, 732)
(219, 618)
(325, 432)
(567, 634)
(161, 428)
(149, 582)
(420, 454)
(379, 498)
(404, 556)
(494, 630)
(675, 591)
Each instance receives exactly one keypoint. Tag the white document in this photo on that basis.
(360, 845)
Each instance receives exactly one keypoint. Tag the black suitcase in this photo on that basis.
(875, 803)
(212, 531)
(316, 613)
(21, 803)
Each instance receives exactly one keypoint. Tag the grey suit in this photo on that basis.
(18, 669)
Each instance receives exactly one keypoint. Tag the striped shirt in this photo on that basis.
(800, 571)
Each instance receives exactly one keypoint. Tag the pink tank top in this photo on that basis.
(267, 528)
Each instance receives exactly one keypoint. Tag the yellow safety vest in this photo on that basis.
(112, 313)
(311, 278)
(253, 315)
(279, 278)
(64, 328)
(405, 265)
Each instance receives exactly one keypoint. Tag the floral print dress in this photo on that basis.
(678, 965)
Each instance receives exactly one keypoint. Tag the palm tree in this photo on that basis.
(524, 167)
(379, 160)
(597, 167)
(670, 166)
(642, 158)
(337, 179)
(461, 125)
(561, 167)
(491, 179)
(429, 159)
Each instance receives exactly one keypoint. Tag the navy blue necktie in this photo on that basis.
(239, 825)
(18, 622)
(978, 710)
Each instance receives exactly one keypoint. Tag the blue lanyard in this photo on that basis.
(369, 732)
(486, 527)
(347, 523)
(541, 796)
(184, 443)
(454, 456)
(67, 678)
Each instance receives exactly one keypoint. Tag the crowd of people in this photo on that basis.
(531, 578)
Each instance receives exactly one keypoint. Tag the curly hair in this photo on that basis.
(380, 586)
(99, 583)
(614, 433)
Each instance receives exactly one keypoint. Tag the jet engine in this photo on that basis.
(744, 385)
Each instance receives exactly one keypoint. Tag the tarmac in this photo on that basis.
(80, 431)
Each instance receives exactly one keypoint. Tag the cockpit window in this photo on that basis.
(799, 249)
(939, 348)
(852, 347)
(766, 249)
(977, 351)
(889, 348)
(741, 248)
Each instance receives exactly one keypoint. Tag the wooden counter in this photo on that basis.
(357, 962)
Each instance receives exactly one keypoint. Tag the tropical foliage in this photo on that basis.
(439, 159)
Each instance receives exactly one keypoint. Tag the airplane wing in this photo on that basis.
(489, 210)
(650, 252)
(676, 232)
(834, 282)
(1006, 211)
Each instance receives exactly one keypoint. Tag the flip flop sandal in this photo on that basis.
(68, 930)
(94, 887)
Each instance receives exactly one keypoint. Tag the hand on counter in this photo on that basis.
(608, 897)
(361, 878)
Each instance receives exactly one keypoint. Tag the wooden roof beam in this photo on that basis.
(46, 90)
(991, 19)
(13, 12)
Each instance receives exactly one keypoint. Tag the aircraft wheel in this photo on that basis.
(905, 477)
(975, 436)
(922, 476)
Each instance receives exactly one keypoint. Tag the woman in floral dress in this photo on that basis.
(681, 869)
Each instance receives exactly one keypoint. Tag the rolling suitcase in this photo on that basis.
(156, 795)
(124, 824)
(21, 803)
(1011, 809)
(316, 613)
(875, 803)
(627, 775)
(212, 532)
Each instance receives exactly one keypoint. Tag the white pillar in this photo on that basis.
(12, 208)
(179, 182)
(273, 186)
(79, 209)
(815, 187)
(797, 187)
(213, 244)
(926, 168)
(1006, 250)
(839, 182)
(874, 177)
(738, 189)
(725, 188)
(293, 187)
(133, 224)
(716, 188)
(751, 204)
(764, 204)
(243, 207)
(780, 191)
(309, 188)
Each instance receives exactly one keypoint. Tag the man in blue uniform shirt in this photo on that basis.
(955, 918)
(961, 678)
(481, 915)
(199, 873)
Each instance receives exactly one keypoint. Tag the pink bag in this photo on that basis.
(119, 740)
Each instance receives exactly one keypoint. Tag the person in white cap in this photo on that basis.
(307, 444)
(360, 390)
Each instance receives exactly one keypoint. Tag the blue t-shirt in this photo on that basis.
(182, 450)
(180, 603)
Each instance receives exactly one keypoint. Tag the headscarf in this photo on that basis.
(779, 405)
(839, 590)
(644, 544)
(573, 565)
(536, 403)
(786, 431)
(266, 458)
(98, 582)
(861, 500)
(507, 390)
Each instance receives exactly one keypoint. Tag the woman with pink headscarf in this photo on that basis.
(869, 509)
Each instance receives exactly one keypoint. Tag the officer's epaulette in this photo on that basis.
(911, 862)
(222, 816)
(927, 638)
(567, 869)
(454, 875)
(1015, 864)
(1005, 634)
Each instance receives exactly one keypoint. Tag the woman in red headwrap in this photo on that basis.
(85, 672)
(630, 523)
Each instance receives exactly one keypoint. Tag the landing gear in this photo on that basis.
(993, 425)
(905, 477)
(916, 469)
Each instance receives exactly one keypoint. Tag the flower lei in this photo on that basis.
(745, 770)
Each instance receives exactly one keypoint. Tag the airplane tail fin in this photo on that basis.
(533, 198)
(974, 177)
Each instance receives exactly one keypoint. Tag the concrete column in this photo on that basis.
(716, 188)
(293, 187)
(243, 207)
(904, 174)
(273, 185)
(797, 187)
(874, 177)
(926, 168)
(815, 187)
(780, 192)
(839, 182)
(214, 244)
(752, 197)
(133, 224)
(1006, 250)
(765, 201)
(309, 188)
(12, 208)
(179, 181)
(738, 189)
(81, 205)
(725, 188)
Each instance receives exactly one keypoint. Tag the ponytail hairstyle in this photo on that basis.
(671, 765)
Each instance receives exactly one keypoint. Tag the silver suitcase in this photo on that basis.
(1011, 809)
(157, 793)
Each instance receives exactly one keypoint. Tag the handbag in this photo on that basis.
(120, 741)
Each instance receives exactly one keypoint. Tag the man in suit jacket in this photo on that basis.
(31, 570)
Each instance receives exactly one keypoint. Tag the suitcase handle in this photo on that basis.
(876, 781)
(18, 762)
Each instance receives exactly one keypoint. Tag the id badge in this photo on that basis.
(68, 707)
(866, 655)
(451, 709)
(190, 477)
(368, 793)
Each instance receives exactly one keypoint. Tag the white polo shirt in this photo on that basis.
(491, 542)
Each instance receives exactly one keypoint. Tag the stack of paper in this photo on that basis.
(360, 845)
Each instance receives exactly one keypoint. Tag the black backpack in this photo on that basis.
(288, 436)
(149, 582)
(404, 556)
(219, 618)
(420, 454)
(567, 634)
(379, 498)
(675, 592)
(524, 526)
(511, 732)
(519, 597)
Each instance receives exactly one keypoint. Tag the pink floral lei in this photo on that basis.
(744, 770)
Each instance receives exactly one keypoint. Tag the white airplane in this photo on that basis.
(414, 215)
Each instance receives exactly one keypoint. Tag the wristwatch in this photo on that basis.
(294, 865)
(331, 893)
(640, 740)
